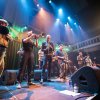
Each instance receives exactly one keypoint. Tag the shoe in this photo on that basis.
(31, 83)
(18, 86)
(41, 81)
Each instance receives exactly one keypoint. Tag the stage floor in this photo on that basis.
(54, 90)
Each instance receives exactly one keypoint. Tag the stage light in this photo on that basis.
(65, 25)
(50, 1)
(25, 27)
(38, 5)
(74, 23)
(60, 10)
(71, 29)
(57, 19)
(41, 8)
(69, 17)
(70, 20)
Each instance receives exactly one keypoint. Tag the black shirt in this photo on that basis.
(49, 50)
(59, 53)
(28, 46)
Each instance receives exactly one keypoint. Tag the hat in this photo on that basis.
(4, 21)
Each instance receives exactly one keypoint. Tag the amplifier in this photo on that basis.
(38, 73)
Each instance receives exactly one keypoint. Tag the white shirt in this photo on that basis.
(40, 55)
(88, 62)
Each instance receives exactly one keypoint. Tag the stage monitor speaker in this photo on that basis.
(10, 77)
(97, 97)
(38, 73)
(87, 79)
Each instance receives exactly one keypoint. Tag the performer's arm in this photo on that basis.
(9, 37)
(36, 43)
(59, 57)
(28, 38)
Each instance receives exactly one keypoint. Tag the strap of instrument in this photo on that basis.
(2, 67)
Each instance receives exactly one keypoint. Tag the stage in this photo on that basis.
(54, 90)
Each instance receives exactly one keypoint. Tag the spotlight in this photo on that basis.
(69, 17)
(71, 29)
(74, 23)
(38, 5)
(57, 19)
(25, 27)
(60, 10)
(41, 8)
(50, 1)
(65, 25)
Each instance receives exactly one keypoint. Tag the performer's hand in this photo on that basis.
(33, 35)
(20, 52)
(9, 37)
(51, 46)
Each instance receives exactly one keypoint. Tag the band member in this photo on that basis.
(88, 61)
(96, 61)
(27, 59)
(61, 57)
(71, 68)
(20, 55)
(47, 48)
(4, 38)
(20, 51)
(40, 58)
(55, 65)
(80, 60)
